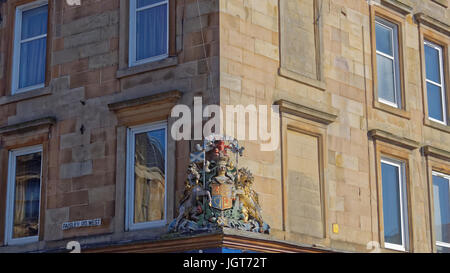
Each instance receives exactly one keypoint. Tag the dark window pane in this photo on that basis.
(391, 204)
(151, 32)
(34, 22)
(150, 176)
(32, 63)
(384, 39)
(441, 209)
(434, 94)
(432, 64)
(27, 195)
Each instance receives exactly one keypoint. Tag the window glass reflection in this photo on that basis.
(27, 195)
(149, 169)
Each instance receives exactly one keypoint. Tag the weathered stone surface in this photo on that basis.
(75, 169)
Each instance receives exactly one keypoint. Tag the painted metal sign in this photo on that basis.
(83, 223)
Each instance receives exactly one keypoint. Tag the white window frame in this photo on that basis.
(10, 198)
(447, 177)
(132, 34)
(403, 205)
(17, 42)
(441, 85)
(394, 29)
(129, 218)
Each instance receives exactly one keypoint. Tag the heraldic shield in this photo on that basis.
(217, 193)
(222, 196)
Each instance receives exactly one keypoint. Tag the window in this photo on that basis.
(30, 47)
(394, 204)
(149, 31)
(304, 208)
(23, 196)
(441, 194)
(304, 183)
(301, 48)
(434, 66)
(146, 176)
(388, 65)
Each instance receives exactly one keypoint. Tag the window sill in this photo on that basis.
(393, 250)
(20, 248)
(147, 226)
(437, 125)
(26, 95)
(392, 110)
(134, 70)
(301, 78)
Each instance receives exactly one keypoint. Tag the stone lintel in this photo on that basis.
(436, 152)
(401, 6)
(171, 96)
(384, 136)
(145, 109)
(443, 3)
(433, 23)
(27, 126)
(323, 116)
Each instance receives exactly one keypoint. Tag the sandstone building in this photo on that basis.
(363, 91)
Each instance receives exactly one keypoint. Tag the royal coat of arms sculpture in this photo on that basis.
(217, 194)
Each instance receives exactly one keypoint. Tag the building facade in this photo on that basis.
(86, 92)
